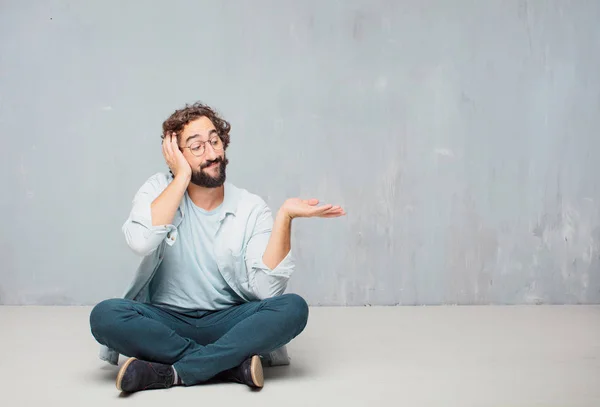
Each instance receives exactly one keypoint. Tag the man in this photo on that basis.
(207, 300)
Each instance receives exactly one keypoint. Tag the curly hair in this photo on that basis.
(181, 117)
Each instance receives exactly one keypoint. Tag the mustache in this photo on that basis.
(211, 162)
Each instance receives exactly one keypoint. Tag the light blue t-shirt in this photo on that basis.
(188, 275)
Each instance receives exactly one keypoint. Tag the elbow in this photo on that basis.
(266, 286)
(141, 249)
(264, 294)
(138, 244)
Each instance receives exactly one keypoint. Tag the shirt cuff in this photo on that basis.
(285, 268)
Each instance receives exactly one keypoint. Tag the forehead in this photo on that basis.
(201, 126)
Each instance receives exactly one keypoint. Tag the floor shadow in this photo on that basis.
(288, 372)
(124, 395)
(105, 374)
(108, 375)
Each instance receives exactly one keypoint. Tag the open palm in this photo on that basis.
(307, 208)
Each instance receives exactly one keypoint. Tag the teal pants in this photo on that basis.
(199, 344)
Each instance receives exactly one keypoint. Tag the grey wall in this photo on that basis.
(462, 137)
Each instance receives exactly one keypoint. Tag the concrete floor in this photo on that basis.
(387, 356)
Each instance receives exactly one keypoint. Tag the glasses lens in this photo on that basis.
(216, 143)
(197, 148)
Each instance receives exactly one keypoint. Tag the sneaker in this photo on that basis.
(136, 375)
(250, 372)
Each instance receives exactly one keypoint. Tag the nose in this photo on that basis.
(209, 152)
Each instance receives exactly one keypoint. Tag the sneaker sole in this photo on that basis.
(256, 371)
(122, 373)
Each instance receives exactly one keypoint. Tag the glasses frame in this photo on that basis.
(203, 146)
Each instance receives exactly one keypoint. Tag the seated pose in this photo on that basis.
(207, 299)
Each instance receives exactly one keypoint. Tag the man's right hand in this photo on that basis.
(165, 205)
(174, 157)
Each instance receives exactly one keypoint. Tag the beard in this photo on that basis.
(203, 179)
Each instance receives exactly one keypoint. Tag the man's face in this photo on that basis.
(208, 169)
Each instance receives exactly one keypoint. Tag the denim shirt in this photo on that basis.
(244, 231)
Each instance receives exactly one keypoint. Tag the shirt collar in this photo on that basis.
(230, 200)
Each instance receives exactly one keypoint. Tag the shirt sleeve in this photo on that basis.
(264, 281)
(141, 236)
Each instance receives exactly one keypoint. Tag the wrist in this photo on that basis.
(183, 176)
(284, 215)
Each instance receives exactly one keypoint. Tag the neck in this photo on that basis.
(206, 198)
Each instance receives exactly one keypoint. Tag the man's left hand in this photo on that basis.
(307, 208)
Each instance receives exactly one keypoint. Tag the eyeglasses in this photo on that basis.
(198, 148)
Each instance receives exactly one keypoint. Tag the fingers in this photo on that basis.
(167, 145)
(163, 146)
(324, 211)
(168, 150)
(327, 209)
(174, 145)
(321, 209)
(333, 212)
(333, 216)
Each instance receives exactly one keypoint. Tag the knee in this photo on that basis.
(296, 310)
(103, 317)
